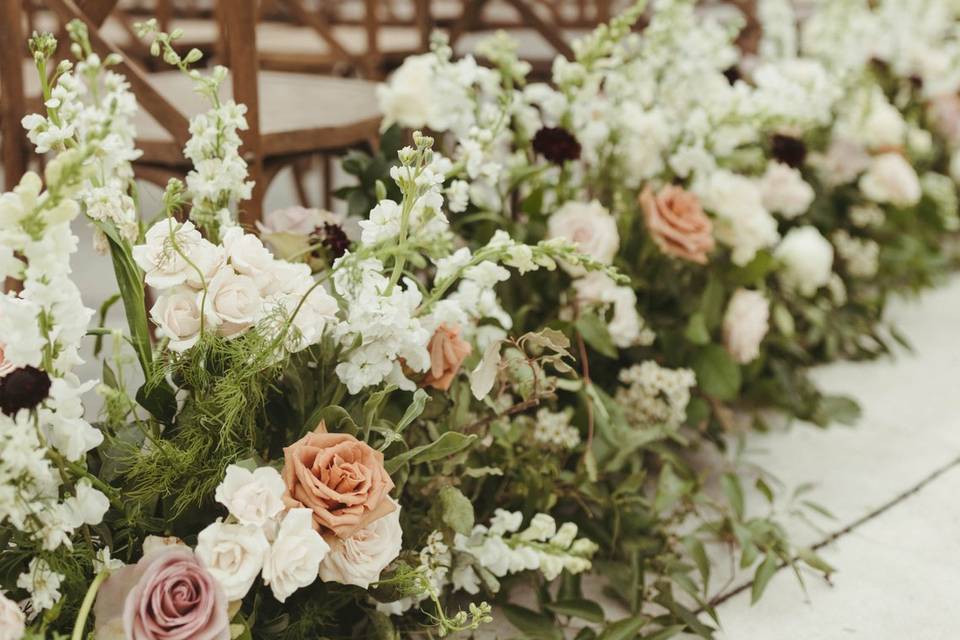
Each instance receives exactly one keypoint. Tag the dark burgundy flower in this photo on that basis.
(23, 388)
(788, 150)
(556, 144)
(732, 74)
(334, 239)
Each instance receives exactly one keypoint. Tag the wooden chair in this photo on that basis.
(313, 37)
(14, 67)
(291, 116)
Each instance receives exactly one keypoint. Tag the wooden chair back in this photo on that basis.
(15, 150)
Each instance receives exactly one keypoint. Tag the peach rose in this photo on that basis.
(447, 352)
(677, 223)
(340, 478)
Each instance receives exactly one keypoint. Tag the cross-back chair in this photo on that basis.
(291, 116)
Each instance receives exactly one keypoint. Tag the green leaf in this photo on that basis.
(699, 554)
(762, 576)
(667, 632)
(810, 557)
(670, 488)
(595, 333)
(533, 625)
(455, 510)
(841, 409)
(413, 412)
(734, 492)
(448, 444)
(711, 304)
(625, 629)
(696, 331)
(717, 374)
(577, 608)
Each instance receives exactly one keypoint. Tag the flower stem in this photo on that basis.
(88, 599)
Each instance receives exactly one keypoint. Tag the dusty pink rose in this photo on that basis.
(677, 223)
(168, 595)
(447, 353)
(340, 478)
(944, 113)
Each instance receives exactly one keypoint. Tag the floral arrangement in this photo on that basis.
(499, 373)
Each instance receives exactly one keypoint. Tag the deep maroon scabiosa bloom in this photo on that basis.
(556, 144)
(788, 150)
(732, 74)
(23, 388)
(335, 239)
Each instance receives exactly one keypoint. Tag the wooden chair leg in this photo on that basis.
(326, 172)
(300, 168)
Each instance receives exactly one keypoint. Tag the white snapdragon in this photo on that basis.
(294, 558)
(860, 255)
(784, 191)
(627, 328)
(891, 179)
(806, 258)
(742, 222)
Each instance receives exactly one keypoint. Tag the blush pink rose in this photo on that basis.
(341, 479)
(168, 595)
(677, 223)
(447, 353)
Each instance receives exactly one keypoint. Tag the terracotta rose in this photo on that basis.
(341, 479)
(677, 223)
(447, 352)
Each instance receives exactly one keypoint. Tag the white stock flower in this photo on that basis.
(589, 226)
(294, 558)
(177, 313)
(42, 583)
(252, 497)
(88, 505)
(233, 554)
(408, 97)
(785, 191)
(806, 258)
(627, 328)
(742, 222)
(891, 179)
(745, 324)
(12, 619)
(232, 302)
(359, 559)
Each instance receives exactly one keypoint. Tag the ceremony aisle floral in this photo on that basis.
(496, 379)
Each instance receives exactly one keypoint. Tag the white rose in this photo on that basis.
(626, 327)
(155, 543)
(164, 256)
(252, 497)
(883, 126)
(590, 227)
(359, 559)
(232, 302)
(891, 179)
(12, 620)
(208, 259)
(785, 191)
(844, 161)
(296, 220)
(233, 554)
(408, 97)
(318, 309)
(293, 560)
(177, 313)
(807, 259)
(742, 222)
(745, 324)
(249, 257)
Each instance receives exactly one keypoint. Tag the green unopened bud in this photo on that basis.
(193, 56)
(381, 190)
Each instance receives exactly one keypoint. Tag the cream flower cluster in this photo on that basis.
(263, 538)
(228, 288)
(655, 395)
(553, 429)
